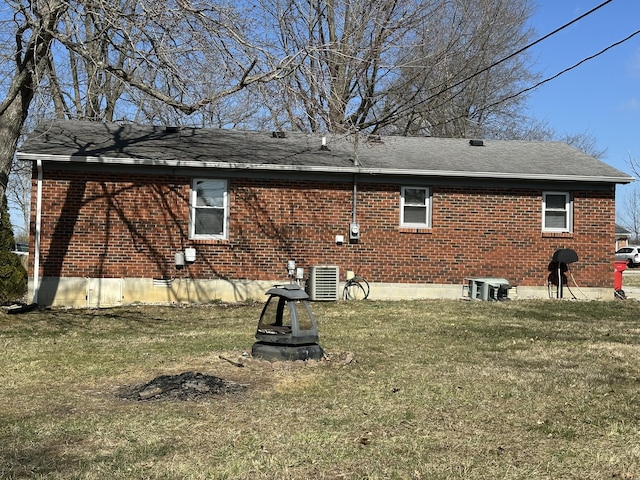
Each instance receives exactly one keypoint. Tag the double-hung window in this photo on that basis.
(415, 207)
(209, 209)
(557, 215)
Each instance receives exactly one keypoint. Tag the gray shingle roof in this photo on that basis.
(137, 144)
(620, 231)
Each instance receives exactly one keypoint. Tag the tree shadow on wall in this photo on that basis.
(104, 234)
(103, 222)
(286, 231)
(103, 218)
(88, 237)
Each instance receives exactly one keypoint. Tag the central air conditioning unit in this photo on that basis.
(323, 283)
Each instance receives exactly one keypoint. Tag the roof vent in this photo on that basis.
(171, 129)
(375, 139)
(476, 143)
(278, 134)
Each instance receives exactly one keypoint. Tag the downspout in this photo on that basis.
(354, 199)
(36, 252)
(356, 161)
(354, 228)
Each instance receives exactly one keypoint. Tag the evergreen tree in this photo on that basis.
(13, 276)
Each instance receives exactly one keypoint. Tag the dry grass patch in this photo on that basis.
(631, 278)
(432, 389)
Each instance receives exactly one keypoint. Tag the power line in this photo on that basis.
(542, 82)
(517, 52)
(546, 80)
(526, 47)
(591, 57)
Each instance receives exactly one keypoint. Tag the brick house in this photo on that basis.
(126, 213)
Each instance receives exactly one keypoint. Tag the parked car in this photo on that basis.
(22, 248)
(631, 254)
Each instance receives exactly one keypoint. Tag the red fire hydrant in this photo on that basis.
(619, 267)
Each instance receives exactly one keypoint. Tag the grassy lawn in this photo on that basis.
(409, 390)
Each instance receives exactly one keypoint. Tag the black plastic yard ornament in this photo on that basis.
(287, 329)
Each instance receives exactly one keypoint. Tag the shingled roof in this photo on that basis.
(96, 142)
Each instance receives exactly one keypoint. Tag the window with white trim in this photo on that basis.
(209, 209)
(415, 207)
(557, 214)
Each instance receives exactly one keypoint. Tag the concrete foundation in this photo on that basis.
(110, 292)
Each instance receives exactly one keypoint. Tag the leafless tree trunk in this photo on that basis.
(32, 25)
(352, 49)
(400, 66)
(458, 84)
(99, 59)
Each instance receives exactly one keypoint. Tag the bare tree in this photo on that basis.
(630, 211)
(19, 195)
(585, 142)
(352, 51)
(634, 165)
(464, 75)
(399, 66)
(32, 25)
(432, 67)
(98, 59)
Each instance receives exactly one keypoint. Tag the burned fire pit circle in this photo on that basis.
(182, 387)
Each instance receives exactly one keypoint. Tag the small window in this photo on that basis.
(556, 212)
(209, 209)
(415, 207)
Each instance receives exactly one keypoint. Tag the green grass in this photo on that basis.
(435, 390)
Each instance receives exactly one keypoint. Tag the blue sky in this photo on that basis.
(602, 96)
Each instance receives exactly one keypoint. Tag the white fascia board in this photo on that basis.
(324, 169)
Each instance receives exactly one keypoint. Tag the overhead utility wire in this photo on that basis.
(565, 70)
(517, 52)
(542, 82)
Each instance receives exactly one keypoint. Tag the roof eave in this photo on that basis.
(323, 169)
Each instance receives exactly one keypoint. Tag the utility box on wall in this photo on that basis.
(323, 283)
(354, 232)
(190, 254)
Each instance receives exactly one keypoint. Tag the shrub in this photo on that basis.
(13, 276)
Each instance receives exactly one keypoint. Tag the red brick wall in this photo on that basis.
(105, 225)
